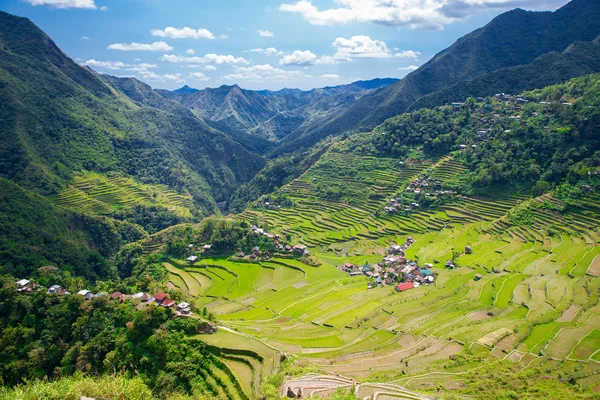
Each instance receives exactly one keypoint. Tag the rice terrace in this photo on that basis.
(300, 199)
(527, 294)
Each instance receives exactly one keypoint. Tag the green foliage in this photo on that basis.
(110, 387)
(225, 235)
(35, 233)
(57, 336)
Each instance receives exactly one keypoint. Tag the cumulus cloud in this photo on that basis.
(118, 65)
(360, 47)
(409, 68)
(156, 46)
(414, 14)
(210, 68)
(207, 59)
(190, 51)
(330, 77)
(85, 38)
(64, 3)
(299, 57)
(198, 76)
(408, 54)
(184, 33)
(263, 73)
(265, 33)
(270, 51)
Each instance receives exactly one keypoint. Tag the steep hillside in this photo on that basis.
(36, 233)
(515, 38)
(253, 117)
(59, 118)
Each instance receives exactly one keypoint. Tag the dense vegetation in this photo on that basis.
(35, 233)
(534, 144)
(78, 122)
(52, 336)
(515, 38)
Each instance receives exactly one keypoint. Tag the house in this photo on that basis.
(402, 287)
(449, 265)
(299, 249)
(468, 250)
(256, 249)
(396, 249)
(117, 296)
(426, 272)
(25, 286)
(184, 308)
(478, 277)
(192, 259)
(160, 297)
(167, 303)
(55, 289)
(86, 293)
(206, 249)
(240, 254)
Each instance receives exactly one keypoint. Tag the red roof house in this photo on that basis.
(168, 303)
(117, 296)
(404, 286)
(160, 297)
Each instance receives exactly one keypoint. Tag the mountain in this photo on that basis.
(260, 119)
(514, 38)
(60, 118)
(89, 163)
(185, 90)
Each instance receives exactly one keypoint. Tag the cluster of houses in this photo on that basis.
(256, 253)
(161, 299)
(422, 186)
(269, 206)
(394, 270)
(206, 249)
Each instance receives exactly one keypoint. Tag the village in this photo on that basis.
(421, 187)
(398, 271)
(161, 299)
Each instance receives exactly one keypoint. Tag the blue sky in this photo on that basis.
(259, 44)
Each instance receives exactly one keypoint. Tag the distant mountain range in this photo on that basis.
(260, 119)
(517, 50)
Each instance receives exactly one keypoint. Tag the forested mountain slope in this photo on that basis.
(262, 118)
(514, 38)
(60, 118)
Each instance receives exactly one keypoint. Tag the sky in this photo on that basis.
(259, 44)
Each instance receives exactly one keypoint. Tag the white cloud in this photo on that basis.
(199, 76)
(114, 65)
(326, 60)
(210, 68)
(85, 38)
(118, 65)
(330, 77)
(190, 51)
(408, 54)
(414, 14)
(103, 8)
(223, 37)
(265, 72)
(299, 57)
(360, 47)
(265, 33)
(150, 76)
(207, 59)
(409, 68)
(64, 3)
(156, 46)
(184, 33)
(270, 51)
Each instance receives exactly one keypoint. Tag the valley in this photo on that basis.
(429, 237)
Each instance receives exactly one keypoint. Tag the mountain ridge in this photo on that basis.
(516, 37)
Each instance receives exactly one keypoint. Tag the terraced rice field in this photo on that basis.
(537, 304)
(101, 194)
